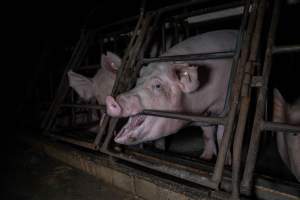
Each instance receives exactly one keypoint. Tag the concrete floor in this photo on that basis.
(31, 175)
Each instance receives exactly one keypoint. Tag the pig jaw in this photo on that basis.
(141, 128)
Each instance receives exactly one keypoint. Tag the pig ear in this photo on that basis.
(279, 107)
(82, 85)
(188, 77)
(110, 62)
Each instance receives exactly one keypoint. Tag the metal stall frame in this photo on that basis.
(246, 60)
(191, 174)
(260, 125)
(75, 63)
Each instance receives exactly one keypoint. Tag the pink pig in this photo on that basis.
(196, 87)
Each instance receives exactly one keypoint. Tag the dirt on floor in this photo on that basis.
(28, 174)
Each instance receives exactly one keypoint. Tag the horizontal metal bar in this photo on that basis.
(190, 174)
(74, 141)
(88, 67)
(285, 49)
(212, 10)
(221, 14)
(188, 117)
(276, 126)
(96, 107)
(201, 56)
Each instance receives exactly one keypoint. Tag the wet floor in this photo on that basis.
(28, 174)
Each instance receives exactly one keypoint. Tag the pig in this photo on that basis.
(288, 144)
(101, 84)
(195, 87)
(98, 87)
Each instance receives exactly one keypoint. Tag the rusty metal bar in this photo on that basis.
(88, 67)
(76, 59)
(247, 180)
(163, 37)
(188, 117)
(201, 56)
(236, 84)
(286, 49)
(209, 10)
(95, 107)
(141, 25)
(276, 126)
(246, 94)
(171, 168)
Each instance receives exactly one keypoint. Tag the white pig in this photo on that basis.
(101, 84)
(196, 87)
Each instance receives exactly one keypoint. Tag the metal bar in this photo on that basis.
(285, 49)
(245, 96)
(96, 107)
(142, 24)
(88, 67)
(163, 37)
(76, 58)
(188, 117)
(247, 180)
(181, 5)
(123, 21)
(236, 84)
(74, 141)
(171, 168)
(209, 10)
(276, 126)
(201, 56)
(48, 114)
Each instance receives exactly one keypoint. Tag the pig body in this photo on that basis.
(195, 87)
(288, 144)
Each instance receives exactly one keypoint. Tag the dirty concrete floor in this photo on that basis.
(28, 174)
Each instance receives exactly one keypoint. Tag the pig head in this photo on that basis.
(288, 144)
(195, 87)
(101, 84)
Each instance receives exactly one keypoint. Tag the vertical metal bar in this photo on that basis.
(49, 113)
(245, 102)
(233, 98)
(116, 86)
(73, 119)
(163, 37)
(75, 60)
(176, 32)
(247, 180)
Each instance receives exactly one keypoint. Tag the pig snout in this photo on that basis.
(112, 107)
(123, 105)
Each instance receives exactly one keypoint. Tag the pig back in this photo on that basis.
(213, 75)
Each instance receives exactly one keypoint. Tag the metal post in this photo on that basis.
(247, 180)
(245, 100)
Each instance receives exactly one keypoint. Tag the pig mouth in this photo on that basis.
(134, 123)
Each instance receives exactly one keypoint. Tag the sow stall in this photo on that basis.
(245, 103)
